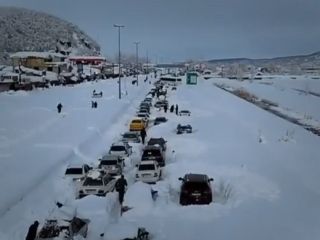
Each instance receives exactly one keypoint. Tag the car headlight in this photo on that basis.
(155, 175)
(100, 191)
(137, 175)
(81, 191)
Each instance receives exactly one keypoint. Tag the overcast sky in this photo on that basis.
(174, 30)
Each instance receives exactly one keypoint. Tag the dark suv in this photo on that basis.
(154, 153)
(158, 141)
(195, 189)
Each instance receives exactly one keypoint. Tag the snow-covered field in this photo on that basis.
(264, 187)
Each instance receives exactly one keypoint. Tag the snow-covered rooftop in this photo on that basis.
(46, 55)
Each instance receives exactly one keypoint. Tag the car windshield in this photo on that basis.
(117, 148)
(196, 186)
(155, 153)
(109, 162)
(146, 167)
(93, 182)
(74, 171)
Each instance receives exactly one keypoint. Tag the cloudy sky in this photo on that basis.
(173, 30)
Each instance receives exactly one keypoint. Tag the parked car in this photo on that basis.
(174, 88)
(144, 109)
(77, 171)
(184, 113)
(146, 103)
(158, 141)
(161, 103)
(143, 115)
(133, 137)
(148, 171)
(153, 153)
(184, 129)
(98, 183)
(122, 149)
(137, 124)
(195, 189)
(112, 164)
(159, 120)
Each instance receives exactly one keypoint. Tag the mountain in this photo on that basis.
(28, 30)
(300, 60)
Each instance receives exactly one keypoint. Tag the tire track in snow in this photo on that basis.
(74, 151)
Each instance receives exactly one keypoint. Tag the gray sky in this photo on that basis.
(174, 30)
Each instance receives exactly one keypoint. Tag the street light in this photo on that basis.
(137, 61)
(119, 60)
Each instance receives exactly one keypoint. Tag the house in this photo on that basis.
(42, 61)
(87, 60)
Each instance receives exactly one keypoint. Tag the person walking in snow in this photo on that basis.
(172, 108)
(177, 109)
(32, 232)
(92, 104)
(121, 185)
(143, 134)
(59, 107)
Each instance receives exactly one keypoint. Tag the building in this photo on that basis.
(42, 61)
(87, 60)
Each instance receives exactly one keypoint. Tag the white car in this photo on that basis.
(98, 183)
(77, 171)
(143, 115)
(122, 149)
(184, 113)
(112, 164)
(148, 171)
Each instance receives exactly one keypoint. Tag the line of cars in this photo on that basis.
(153, 155)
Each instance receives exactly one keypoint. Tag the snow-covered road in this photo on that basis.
(265, 187)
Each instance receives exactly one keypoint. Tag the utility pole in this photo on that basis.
(119, 56)
(137, 61)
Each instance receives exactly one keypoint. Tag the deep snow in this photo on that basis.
(263, 190)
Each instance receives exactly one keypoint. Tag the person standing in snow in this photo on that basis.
(121, 185)
(143, 134)
(172, 108)
(165, 107)
(32, 232)
(59, 107)
(177, 109)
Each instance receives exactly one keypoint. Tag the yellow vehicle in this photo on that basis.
(137, 124)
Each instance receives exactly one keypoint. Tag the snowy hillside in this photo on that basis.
(28, 30)
(264, 188)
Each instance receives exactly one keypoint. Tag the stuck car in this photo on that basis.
(195, 189)
(98, 183)
(159, 120)
(148, 171)
(184, 129)
(184, 113)
(122, 149)
(158, 141)
(137, 124)
(77, 171)
(154, 153)
(111, 164)
(133, 137)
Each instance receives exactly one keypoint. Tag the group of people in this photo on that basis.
(172, 109)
